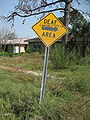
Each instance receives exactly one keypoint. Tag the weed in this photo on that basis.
(66, 95)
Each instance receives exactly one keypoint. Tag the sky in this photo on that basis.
(25, 30)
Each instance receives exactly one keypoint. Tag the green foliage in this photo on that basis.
(3, 53)
(35, 48)
(80, 29)
(29, 50)
(76, 17)
(61, 19)
(58, 57)
(80, 86)
(79, 32)
(62, 58)
(66, 95)
(10, 54)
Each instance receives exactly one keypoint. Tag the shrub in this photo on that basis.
(62, 58)
(3, 53)
(58, 57)
(80, 86)
(29, 50)
(73, 58)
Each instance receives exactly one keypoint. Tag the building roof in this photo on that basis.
(17, 41)
(36, 40)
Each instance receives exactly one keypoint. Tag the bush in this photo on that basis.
(58, 57)
(79, 86)
(10, 54)
(29, 50)
(62, 58)
(73, 58)
(3, 53)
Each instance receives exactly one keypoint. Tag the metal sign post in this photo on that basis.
(44, 73)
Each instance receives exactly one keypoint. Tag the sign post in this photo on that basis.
(49, 29)
(44, 73)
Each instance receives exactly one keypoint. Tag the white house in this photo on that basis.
(18, 45)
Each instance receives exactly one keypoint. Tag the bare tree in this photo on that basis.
(5, 34)
(3, 31)
(26, 8)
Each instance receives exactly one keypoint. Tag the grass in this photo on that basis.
(25, 61)
(67, 93)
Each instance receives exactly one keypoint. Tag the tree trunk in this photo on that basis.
(66, 19)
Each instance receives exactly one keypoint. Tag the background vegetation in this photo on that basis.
(67, 94)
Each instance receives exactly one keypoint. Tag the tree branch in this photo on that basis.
(17, 14)
(43, 6)
(78, 2)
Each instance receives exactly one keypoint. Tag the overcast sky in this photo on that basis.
(24, 30)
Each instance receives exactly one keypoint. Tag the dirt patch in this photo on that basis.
(19, 70)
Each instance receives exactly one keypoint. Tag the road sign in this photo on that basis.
(49, 29)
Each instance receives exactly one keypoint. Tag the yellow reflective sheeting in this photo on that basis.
(49, 29)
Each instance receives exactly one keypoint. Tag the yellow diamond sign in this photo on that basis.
(49, 29)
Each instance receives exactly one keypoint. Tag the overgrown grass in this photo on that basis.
(67, 93)
(62, 58)
(24, 61)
